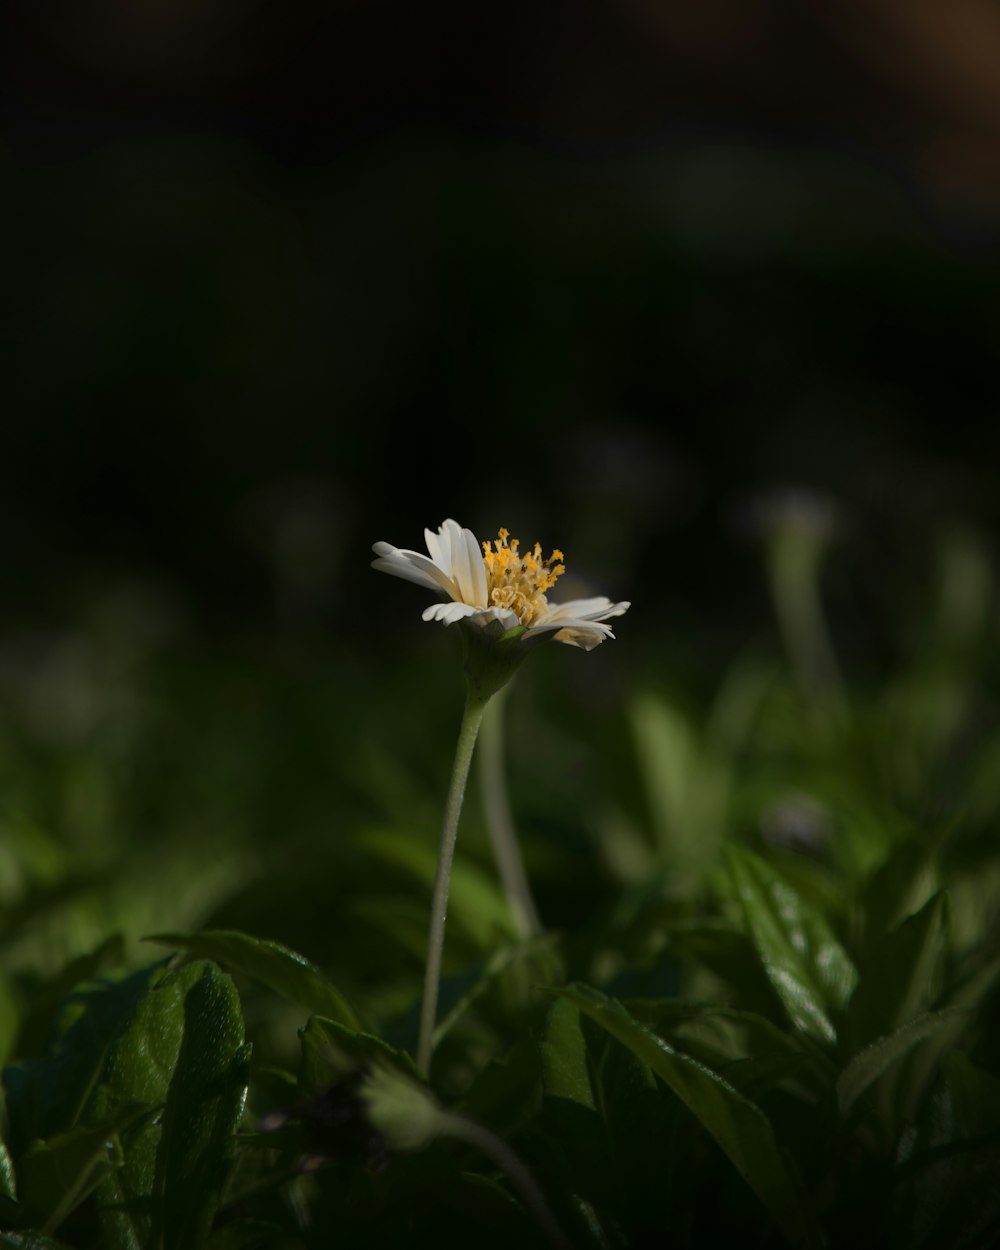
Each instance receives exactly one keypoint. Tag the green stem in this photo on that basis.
(471, 720)
(503, 835)
(458, 1126)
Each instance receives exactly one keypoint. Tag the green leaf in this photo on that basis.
(898, 982)
(331, 1052)
(902, 885)
(505, 1092)
(565, 1071)
(960, 1006)
(55, 1176)
(686, 785)
(867, 1066)
(738, 1126)
(8, 1184)
(272, 965)
(809, 969)
(946, 1191)
(183, 1053)
(747, 1049)
(42, 999)
(47, 1096)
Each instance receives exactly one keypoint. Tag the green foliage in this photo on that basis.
(764, 1011)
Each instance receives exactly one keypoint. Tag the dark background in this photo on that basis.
(284, 279)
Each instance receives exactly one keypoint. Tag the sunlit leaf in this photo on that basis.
(809, 969)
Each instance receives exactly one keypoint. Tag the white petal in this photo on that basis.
(449, 533)
(477, 567)
(436, 547)
(584, 636)
(467, 568)
(449, 613)
(412, 567)
(596, 609)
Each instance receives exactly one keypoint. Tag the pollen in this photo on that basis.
(516, 580)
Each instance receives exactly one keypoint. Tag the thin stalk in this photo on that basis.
(452, 1124)
(499, 822)
(471, 720)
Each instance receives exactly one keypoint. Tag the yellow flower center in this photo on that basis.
(518, 582)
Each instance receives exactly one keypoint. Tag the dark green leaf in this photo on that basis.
(272, 965)
(330, 1052)
(511, 973)
(43, 998)
(809, 969)
(29, 1241)
(867, 1066)
(901, 886)
(738, 1126)
(946, 1192)
(583, 1159)
(46, 1097)
(244, 1235)
(565, 1071)
(898, 982)
(55, 1176)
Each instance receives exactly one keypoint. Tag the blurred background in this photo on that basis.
(283, 280)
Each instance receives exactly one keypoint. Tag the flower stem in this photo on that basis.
(472, 718)
(503, 835)
(452, 1124)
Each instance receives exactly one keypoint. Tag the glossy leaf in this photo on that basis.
(738, 1126)
(184, 1054)
(275, 966)
(8, 1182)
(808, 968)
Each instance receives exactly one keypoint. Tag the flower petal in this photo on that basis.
(449, 613)
(467, 568)
(584, 635)
(596, 609)
(413, 567)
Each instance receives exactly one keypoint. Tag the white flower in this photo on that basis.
(497, 583)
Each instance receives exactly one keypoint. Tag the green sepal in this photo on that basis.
(492, 656)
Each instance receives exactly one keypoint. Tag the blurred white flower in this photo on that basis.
(498, 583)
